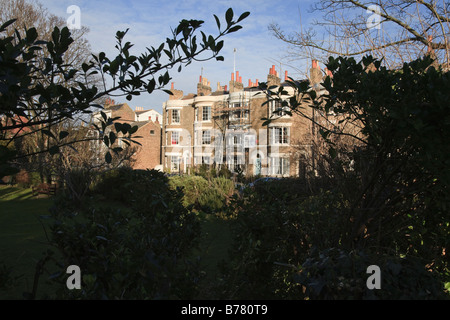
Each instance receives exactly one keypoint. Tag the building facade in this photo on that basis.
(148, 153)
(225, 127)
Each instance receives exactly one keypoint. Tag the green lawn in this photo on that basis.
(22, 238)
(216, 242)
(23, 242)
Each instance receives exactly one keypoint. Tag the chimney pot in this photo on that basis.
(286, 75)
(232, 76)
(173, 85)
(315, 65)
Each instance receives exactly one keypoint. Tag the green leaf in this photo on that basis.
(108, 157)
(112, 137)
(332, 152)
(6, 24)
(229, 16)
(63, 134)
(243, 16)
(118, 126)
(217, 21)
(53, 150)
(48, 133)
(31, 35)
(234, 29)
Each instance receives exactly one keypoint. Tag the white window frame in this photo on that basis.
(175, 136)
(206, 111)
(175, 162)
(280, 166)
(280, 135)
(176, 119)
(206, 137)
(277, 105)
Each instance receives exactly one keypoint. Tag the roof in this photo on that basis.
(140, 124)
(143, 111)
(115, 107)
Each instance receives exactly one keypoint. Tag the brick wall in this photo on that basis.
(149, 153)
(300, 129)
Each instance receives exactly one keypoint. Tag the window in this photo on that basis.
(206, 160)
(206, 114)
(237, 139)
(175, 163)
(234, 163)
(277, 109)
(175, 116)
(175, 137)
(279, 166)
(206, 137)
(152, 132)
(280, 135)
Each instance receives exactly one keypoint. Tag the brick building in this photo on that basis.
(225, 126)
(148, 154)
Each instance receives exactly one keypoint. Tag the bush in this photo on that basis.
(339, 274)
(297, 246)
(272, 231)
(115, 185)
(200, 194)
(142, 251)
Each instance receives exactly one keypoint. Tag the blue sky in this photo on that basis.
(150, 22)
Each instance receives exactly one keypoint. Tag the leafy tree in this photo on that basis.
(33, 100)
(397, 189)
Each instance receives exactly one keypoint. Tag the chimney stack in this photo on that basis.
(272, 78)
(315, 73)
(430, 38)
(315, 64)
(236, 84)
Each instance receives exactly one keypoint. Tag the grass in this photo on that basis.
(216, 242)
(23, 242)
(22, 237)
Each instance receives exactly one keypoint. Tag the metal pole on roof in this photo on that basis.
(234, 60)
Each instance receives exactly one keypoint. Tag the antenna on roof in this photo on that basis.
(234, 60)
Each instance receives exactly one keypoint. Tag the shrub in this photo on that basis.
(142, 251)
(300, 246)
(339, 274)
(201, 194)
(273, 230)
